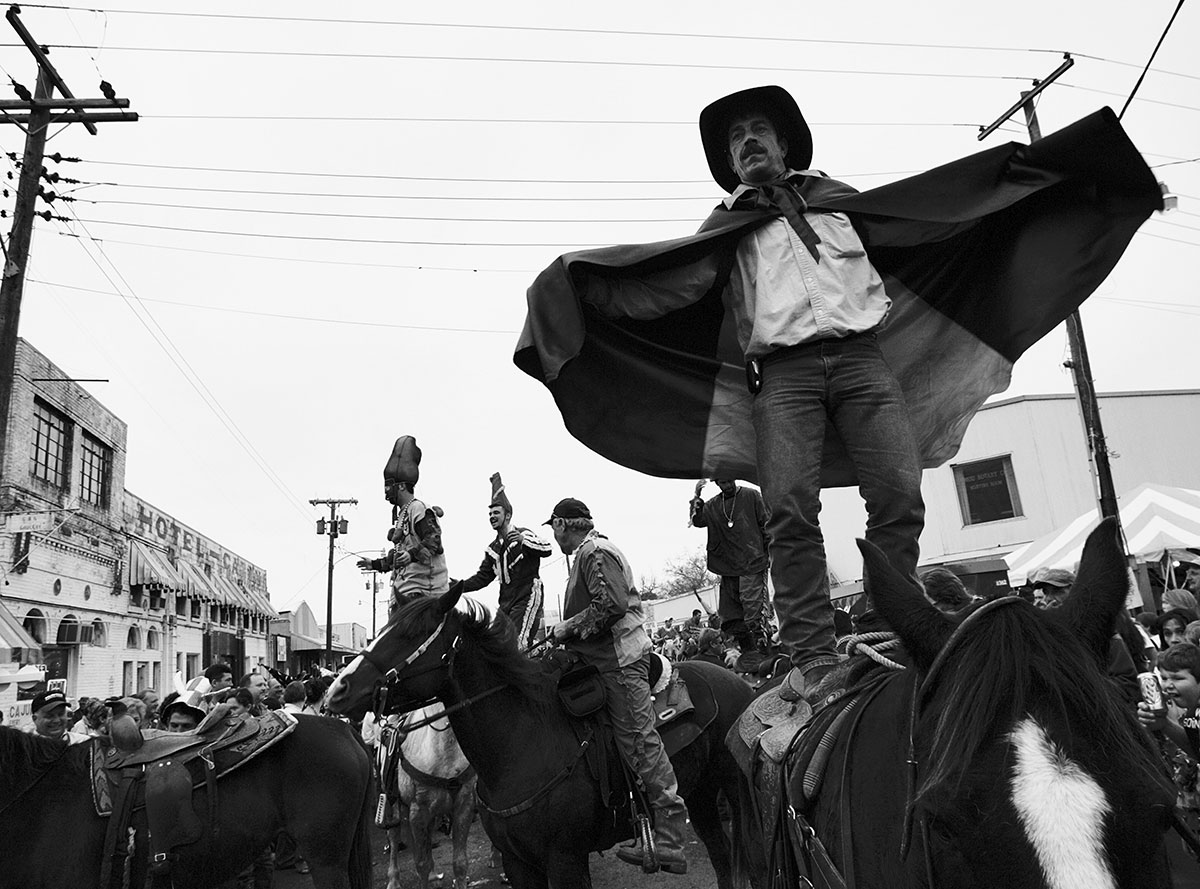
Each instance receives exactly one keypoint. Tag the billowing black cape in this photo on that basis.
(981, 258)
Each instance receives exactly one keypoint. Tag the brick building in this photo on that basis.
(106, 590)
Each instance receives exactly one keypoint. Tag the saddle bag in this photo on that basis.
(581, 691)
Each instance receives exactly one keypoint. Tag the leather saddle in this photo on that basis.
(159, 777)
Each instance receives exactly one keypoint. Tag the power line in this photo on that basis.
(603, 63)
(401, 197)
(336, 240)
(375, 216)
(162, 339)
(281, 316)
(1150, 61)
(305, 259)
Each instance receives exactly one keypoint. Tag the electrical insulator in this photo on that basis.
(343, 526)
(320, 526)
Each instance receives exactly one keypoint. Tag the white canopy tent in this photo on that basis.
(1158, 521)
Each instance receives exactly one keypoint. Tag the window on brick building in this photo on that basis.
(95, 472)
(51, 444)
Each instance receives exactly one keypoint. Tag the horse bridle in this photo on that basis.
(390, 680)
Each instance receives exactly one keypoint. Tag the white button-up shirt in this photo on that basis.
(781, 296)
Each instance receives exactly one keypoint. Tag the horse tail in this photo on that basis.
(360, 846)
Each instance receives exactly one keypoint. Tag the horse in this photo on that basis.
(314, 783)
(434, 781)
(1000, 757)
(541, 805)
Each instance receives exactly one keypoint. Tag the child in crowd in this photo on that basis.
(1179, 669)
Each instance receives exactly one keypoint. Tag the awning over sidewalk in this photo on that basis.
(14, 636)
(152, 569)
(200, 585)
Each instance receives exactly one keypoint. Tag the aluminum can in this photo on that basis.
(1152, 693)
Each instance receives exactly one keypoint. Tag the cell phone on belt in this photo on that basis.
(754, 376)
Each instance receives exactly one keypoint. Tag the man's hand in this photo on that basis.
(365, 565)
(1148, 719)
(402, 558)
(700, 486)
(561, 632)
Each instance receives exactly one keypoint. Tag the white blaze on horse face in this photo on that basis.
(1062, 809)
(341, 684)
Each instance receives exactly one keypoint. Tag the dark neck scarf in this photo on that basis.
(783, 197)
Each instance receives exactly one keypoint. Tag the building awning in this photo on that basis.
(232, 592)
(151, 569)
(13, 636)
(199, 585)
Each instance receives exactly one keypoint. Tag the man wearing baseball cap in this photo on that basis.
(603, 624)
(51, 720)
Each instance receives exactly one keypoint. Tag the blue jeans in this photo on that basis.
(846, 385)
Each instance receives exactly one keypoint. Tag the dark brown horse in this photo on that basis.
(1003, 756)
(542, 807)
(315, 784)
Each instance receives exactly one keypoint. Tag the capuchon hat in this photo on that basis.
(47, 700)
(499, 498)
(569, 508)
(1059, 577)
(403, 465)
(773, 101)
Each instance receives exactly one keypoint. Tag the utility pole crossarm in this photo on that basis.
(43, 60)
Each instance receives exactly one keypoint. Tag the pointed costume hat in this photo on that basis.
(403, 465)
(499, 498)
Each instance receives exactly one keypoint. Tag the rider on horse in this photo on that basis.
(603, 625)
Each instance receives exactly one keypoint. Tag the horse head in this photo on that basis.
(1028, 767)
(413, 651)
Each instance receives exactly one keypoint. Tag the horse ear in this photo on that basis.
(921, 627)
(449, 599)
(1099, 591)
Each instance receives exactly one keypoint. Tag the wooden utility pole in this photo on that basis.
(335, 528)
(1081, 368)
(35, 114)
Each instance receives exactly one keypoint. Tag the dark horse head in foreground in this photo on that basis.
(315, 784)
(1003, 757)
(540, 802)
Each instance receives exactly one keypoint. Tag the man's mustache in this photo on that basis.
(752, 148)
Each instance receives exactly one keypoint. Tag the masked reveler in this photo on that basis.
(417, 561)
(515, 556)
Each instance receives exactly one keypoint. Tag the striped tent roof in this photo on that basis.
(1155, 518)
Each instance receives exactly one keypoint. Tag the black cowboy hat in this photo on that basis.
(774, 101)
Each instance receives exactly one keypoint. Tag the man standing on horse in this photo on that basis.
(603, 624)
(807, 305)
(417, 560)
(515, 555)
(738, 544)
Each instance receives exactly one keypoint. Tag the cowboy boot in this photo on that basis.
(668, 844)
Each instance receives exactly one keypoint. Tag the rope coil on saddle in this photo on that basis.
(873, 645)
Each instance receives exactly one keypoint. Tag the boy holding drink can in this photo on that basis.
(1179, 668)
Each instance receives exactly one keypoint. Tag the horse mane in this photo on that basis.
(1015, 662)
(493, 635)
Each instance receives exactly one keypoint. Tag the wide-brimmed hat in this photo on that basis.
(773, 101)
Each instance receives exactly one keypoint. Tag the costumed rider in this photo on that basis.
(738, 544)
(603, 624)
(807, 305)
(515, 556)
(417, 561)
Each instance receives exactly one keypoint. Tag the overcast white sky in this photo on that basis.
(319, 235)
